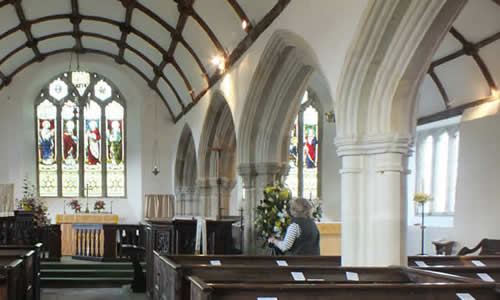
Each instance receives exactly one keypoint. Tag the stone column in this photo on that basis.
(256, 177)
(209, 195)
(373, 179)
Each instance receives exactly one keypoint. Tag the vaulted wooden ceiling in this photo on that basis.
(466, 67)
(169, 43)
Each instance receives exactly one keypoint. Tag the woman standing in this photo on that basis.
(302, 235)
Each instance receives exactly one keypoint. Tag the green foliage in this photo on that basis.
(271, 215)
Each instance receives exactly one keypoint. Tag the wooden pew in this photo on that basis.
(12, 270)
(31, 266)
(419, 285)
(490, 260)
(468, 271)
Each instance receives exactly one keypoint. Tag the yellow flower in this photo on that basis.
(277, 224)
(284, 194)
(421, 197)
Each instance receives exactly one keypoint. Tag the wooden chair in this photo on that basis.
(487, 246)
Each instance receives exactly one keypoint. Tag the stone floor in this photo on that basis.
(91, 294)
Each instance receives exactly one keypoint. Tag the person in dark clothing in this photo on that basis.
(302, 235)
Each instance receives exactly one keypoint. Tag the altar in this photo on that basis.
(69, 236)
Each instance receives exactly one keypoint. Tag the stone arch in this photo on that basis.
(376, 119)
(186, 171)
(278, 84)
(218, 133)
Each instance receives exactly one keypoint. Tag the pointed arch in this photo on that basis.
(186, 171)
(218, 134)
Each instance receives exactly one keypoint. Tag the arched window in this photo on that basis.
(80, 137)
(304, 155)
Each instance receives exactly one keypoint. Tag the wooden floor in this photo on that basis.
(91, 294)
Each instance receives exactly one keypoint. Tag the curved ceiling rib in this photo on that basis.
(141, 44)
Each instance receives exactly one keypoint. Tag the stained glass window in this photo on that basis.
(81, 138)
(303, 175)
(47, 163)
(115, 146)
(70, 155)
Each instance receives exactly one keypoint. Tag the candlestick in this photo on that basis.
(64, 207)
(87, 208)
(111, 206)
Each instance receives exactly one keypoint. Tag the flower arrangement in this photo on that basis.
(29, 199)
(75, 205)
(421, 197)
(317, 211)
(99, 205)
(31, 202)
(272, 217)
(40, 214)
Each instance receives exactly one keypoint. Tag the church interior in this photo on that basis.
(149, 142)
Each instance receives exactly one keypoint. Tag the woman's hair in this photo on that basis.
(301, 207)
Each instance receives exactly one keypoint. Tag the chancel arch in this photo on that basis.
(217, 155)
(376, 119)
(276, 90)
(186, 172)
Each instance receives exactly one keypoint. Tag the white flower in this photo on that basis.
(276, 229)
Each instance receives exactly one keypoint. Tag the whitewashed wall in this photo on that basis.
(478, 191)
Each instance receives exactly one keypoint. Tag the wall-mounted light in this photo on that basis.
(495, 94)
(220, 62)
(244, 24)
(330, 116)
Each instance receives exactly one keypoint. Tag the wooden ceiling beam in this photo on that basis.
(241, 13)
(246, 43)
(25, 25)
(442, 91)
(453, 112)
(210, 33)
(125, 29)
(76, 19)
(496, 1)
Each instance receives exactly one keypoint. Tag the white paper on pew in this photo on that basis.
(478, 263)
(421, 263)
(282, 263)
(315, 279)
(215, 263)
(352, 276)
(267, 298)
(298, 276)
(485, 277)
(465, 296)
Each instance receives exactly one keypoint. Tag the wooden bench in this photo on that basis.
(13, 285)
(468, 271)
(416, 261)
(486, 247)
(415, 284)
(30, 256)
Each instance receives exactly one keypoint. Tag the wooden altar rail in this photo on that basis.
(102, 242)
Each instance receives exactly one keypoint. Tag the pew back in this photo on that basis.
(493, 260)
(423, 285)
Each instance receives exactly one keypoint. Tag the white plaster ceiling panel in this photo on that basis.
(17, 60)
(50, 27)
(139, 63)
(35, 9)
(478, 20)
(101, 28)
(150, 27)
(169, 96)
(9, 18)
(100, 44)
(165, 9)
(448, 46)
(49, 45)
(489, 54)
(256, 9)
(171, 73)
(11, 42)
(145, 48)
(191, 69)
(110, 9)
(223, 20)
(430, 100)
(463, 80)
(200, 42)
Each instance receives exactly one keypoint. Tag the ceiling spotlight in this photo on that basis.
(495, 94)
(219, 61)
(244, 24)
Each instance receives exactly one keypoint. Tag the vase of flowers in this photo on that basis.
(99, 205)
(422, 198)
(272, 217)
(31, 202)
(75, 205)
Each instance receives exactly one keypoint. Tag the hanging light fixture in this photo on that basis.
(155, 162)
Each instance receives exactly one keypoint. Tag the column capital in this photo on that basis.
(369, 145)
